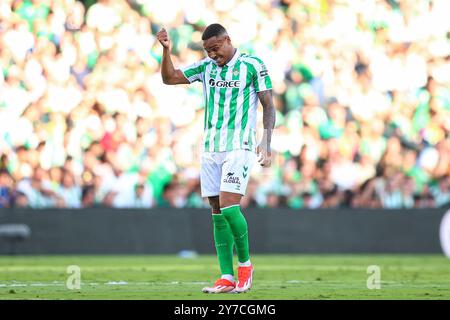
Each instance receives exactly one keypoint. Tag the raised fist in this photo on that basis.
(163, 38)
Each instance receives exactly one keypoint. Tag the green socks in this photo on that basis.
(223, 238)
(230, 228)
(238, 224)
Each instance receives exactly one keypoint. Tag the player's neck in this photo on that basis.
(231, 56)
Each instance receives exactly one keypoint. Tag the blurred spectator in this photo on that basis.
(88, 196)
(142, 197)
(69, 191)
(6, 189)
(21, 201)
(361, 90)
(171, 196)
(441, 192)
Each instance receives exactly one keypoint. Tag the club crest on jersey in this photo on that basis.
(235, 72)
(224, 83)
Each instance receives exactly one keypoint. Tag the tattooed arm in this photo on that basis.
(264, 150)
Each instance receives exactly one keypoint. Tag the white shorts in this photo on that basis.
(227, 171)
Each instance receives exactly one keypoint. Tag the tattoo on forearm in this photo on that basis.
(268, 116)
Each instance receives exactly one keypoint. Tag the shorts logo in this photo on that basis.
(224, 83)
(231, 179)
(245, 173)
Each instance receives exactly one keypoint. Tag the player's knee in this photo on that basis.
(228, 199)
(215, 204)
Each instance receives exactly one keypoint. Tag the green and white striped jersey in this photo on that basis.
(231, 100)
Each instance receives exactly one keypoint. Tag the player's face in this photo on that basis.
(218, 49)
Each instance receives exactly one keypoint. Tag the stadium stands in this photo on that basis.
(361, 91)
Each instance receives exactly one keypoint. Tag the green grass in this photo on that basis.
(276, 277)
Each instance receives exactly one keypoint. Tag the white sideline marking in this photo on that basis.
(262, 283)
(111, 283)
(197, 267)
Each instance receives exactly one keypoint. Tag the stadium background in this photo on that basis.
(361, 90)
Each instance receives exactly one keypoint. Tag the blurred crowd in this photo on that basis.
(361, 90)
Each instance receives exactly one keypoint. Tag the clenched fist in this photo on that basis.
(163, 38)
(264, 156)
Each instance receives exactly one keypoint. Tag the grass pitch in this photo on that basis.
(276, 277)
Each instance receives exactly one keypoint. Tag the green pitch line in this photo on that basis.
(276, 277)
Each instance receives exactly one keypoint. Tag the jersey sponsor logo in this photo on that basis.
(224, 83)
(230, 178)
(263, 73)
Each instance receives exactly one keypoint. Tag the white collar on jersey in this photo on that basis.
(233, 60)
